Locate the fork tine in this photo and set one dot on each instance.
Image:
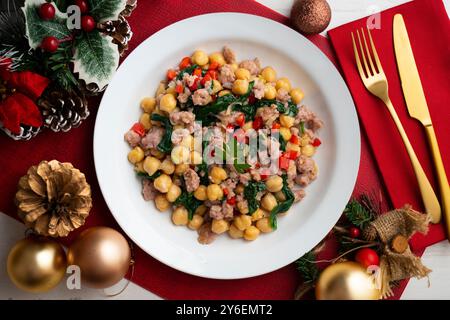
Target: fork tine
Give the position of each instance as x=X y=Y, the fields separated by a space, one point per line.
x=358 y=61
x=369 y=56
x=363 y=55
x=375 y=54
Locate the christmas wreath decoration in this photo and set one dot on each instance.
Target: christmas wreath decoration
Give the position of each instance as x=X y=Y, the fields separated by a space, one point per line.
x=53 y=56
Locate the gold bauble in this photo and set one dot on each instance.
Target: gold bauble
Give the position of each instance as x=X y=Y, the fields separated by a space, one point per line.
x=36 y=264
x=103 y=256
x=346 y=281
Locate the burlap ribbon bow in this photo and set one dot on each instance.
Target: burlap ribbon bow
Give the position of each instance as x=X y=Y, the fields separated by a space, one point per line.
x=394 y=229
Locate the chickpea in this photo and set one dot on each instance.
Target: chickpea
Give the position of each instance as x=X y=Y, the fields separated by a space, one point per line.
x=139 y=167
x=180 y=216
x=161 y=202
x=264 y=225
x=217 y=57
x=217 y=175
x=251 y=233
x=280 y=196
x=136 y=155
x=258 y=214
x=240 y=86
x=181 y=168
x=200 y=57
x=297 y=95
x=188 y=142
x=168 y=103
x=308 y=150
x=286 y=121
x=161 y=88
x=196 y=157
x=196 y=222
x=242 y=74
x=214 y=192
x=270 y=92
x=235 y=233
x=223 y=93
x=274 y=183
x=239 y=189
x=157 y=154
x=304 y=140
x=234 y=66
x=219 y=226
x=242 y=207
x=242 y=222
x=173 y=193
x=201 y=210
x=269 y=74
x=269 y=202
x=292 y=147
x=216 y=86
x=148 y=104
x=145 y=121
x=180 y=154
x=285 y=133
x=151 y=165
x=247 y=126
x=163 y=183
x=167 y=166
x=283 y=83
x=200 y=193
x=172 y=91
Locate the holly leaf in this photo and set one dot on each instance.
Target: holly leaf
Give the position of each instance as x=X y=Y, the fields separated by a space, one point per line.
x=102 y=10
x=37 y=29
x=96 y=58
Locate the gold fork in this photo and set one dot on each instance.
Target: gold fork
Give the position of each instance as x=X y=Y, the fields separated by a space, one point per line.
x=376 y=83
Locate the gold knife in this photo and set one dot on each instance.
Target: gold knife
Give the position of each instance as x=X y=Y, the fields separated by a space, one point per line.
x=418 y=108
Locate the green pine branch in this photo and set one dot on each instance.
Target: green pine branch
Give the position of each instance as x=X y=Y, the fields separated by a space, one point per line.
x=307 y=267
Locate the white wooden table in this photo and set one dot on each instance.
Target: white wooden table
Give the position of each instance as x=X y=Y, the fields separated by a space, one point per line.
x=436 y=257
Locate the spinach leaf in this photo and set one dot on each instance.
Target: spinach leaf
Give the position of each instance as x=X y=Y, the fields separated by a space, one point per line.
x=249 y=110
x=292 y=109
x=283 y=143
x=207 y=114
x=250 y=192
x=282 y=206
x=165 y=145
x=188 y=201
x=203 y=167
x=189 y=70
x=145 y=175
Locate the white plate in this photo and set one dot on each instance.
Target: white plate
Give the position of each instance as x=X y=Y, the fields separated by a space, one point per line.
x=292 y=56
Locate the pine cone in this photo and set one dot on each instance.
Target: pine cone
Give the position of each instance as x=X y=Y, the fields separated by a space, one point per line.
x=119 y=30
x=131 y=5
x=26 y=133
x=53 y=198
x=63 y=110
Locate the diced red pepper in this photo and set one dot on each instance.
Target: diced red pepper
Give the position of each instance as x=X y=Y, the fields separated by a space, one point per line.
x=291 y=154
x=257 y=123
x=240 y=120
x=225 y=191
x=213 y=74
x=213 y=65
x=232 y=201
x=257 y=165
x=264 y=176
x=194 y=85
x=284 y=162
x=251 y=98
x=179 y=88
x=276 y=125
x=197 y=72
x=171 y=74
x=230 y=126
x=294 y=139
x=185 y=62
x=205 y=79
x=139 y=129
x=316 y=142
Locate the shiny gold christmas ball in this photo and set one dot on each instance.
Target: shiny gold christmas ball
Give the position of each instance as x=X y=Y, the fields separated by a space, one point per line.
x=103 y=256
x=311 y=16
x=346 y=281
x=36 y=264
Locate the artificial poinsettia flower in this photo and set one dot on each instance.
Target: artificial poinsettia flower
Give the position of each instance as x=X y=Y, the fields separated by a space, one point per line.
x=19 y=91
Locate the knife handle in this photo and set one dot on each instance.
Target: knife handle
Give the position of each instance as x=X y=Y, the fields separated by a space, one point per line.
x=442 y=177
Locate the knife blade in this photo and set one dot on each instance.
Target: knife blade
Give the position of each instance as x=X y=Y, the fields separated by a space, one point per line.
x=409 y=75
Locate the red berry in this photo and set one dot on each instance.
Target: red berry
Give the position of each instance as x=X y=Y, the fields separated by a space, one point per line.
x=50 y=44
x=47 y=11
x=354 y=232
x=367 y=257
x=83 y=5
x=88 y=23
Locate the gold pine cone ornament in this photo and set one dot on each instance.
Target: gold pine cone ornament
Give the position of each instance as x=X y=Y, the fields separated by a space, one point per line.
x=53 y=198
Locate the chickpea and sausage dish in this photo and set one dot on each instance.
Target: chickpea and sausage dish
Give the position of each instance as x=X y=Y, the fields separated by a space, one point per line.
x=225 y=103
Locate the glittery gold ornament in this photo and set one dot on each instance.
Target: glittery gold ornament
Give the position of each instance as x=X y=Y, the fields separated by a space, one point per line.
x=53 y=198
x=311 y=16
x=346 y=281
x=103 y=256
x=36 y=264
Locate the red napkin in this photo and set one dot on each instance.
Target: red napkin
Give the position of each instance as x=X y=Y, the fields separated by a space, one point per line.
x=428 y=27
